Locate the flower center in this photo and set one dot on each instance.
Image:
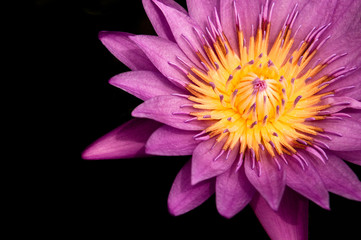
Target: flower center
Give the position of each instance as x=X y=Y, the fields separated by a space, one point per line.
x=260 y=98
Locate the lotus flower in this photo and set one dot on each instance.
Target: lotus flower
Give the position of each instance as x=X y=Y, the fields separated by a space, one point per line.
x=263 y=95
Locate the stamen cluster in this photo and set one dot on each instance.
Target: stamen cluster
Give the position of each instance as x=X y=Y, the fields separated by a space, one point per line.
x=259 y=97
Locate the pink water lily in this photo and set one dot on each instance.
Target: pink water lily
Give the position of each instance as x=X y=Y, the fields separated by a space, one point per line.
x=263 y=95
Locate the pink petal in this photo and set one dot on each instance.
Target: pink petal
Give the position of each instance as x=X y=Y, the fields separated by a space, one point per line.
x=289 y=222
x=125 y=50
x=182 y=26
x=168 y=141
x=351 y=80
x=306 y=182
x=226 y=12
x=200 y=10
x=344 y=31
x=334 y=100
x=166 y=109
x=311 y=14
x=345 y=38
x=144 y=84
x=266 y=178
x=348 y=128
x=351 y=156
x=248 y=12
x=233 y=191
x=205 y=163
x=185 y=196
x=126 y=141
x=163 y=53
x=157 y=18
x=354 y=113
x=339 y=178
x=342 y=14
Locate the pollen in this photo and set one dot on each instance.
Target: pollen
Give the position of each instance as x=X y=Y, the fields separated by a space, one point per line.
x=258 y=96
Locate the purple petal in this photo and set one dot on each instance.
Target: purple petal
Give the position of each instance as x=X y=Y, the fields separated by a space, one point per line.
x=267 y=178
x=351 y=156
x=125 y=50
x=205 y=163
x=351 y=82
x=289 y=222
x=345 y=38
x=344 y=31
x=349 y=129
x=163 y=53
x=144 y=84
x=233 y=191
x=157 y=18
x=184 y=196
x=311 y=14
x=342 y=15
x=182 y=26
x=166 y=109
x=339 y=178
x=248 y=12
x=306 y=182
x=200 y=10
x=228 y=21
x=354 y=113
x=334 y=100
x=126 y=141
x=168 y=141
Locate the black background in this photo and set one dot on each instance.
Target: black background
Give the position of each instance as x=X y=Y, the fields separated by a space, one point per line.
x=122 y=198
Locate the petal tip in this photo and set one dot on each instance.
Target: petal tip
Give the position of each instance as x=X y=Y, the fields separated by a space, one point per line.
x=173 y=211
x=138 y=113
x=226 y=214
x=196 y=178
x=102 y=34
x=114 y=81
x=175 y=208
x=324 y=203
x=92 y=153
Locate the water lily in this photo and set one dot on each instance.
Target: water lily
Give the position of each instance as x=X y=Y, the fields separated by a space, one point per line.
x=263 y=95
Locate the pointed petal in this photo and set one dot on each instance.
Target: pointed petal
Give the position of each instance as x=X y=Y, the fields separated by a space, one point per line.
x=144 y=84
x=162 y=52
x=339 y=178
x=126 y=141
x=164 y=108
x=182 y=26
x=348 y=128
x=168 y=141
x=204 y=165
x=306 y=182
x=233 y=191
x=125 y=50
x=267 y=179
x=351 y=156
x=184 y=196
x=289 y=222
x=157 y=18
x=199 y=10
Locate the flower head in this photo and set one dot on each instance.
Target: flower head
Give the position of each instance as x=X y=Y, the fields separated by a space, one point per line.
x=263 y=95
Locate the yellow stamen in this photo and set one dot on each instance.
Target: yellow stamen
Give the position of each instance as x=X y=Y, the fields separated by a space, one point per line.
x=256 y=97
